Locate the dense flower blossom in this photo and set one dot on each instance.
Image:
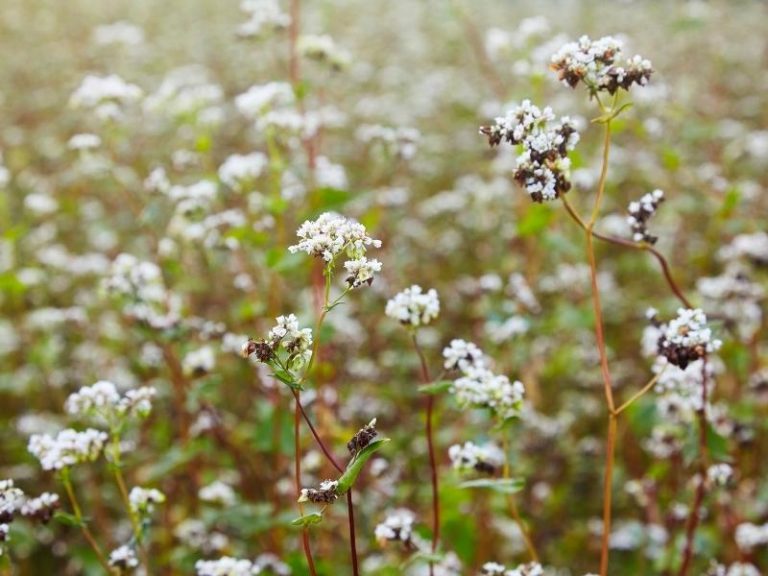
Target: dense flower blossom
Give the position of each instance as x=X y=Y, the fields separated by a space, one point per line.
x=486 y=458
x=481 y=388
x=361 y=271
x=414 y=307
x=103 y=400
x=331 y=235
x=67 y=448
x=596 y=63
x=239 y=170
x=397 y=527
x=143 y=500
x=226 y=566
x=686 y=338
x=41 y=508
x=543 y=167
x=218 y=492
x=462 y=355
x=123 y=558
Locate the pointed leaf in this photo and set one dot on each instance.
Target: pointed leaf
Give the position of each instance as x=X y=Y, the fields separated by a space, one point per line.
x=436 y=387
x=355 y=465
x=308 y=519
x=502 y=485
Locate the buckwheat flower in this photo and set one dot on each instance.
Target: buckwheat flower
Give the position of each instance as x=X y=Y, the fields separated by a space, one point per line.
x=323 y=49
x=596 y=64
x=100 y=396
x=226 y=566
x=750 y=536
x=124 y=559
x=362 y=438
x=259 y=99
x=272 y=564
x=41 y=508
x=68 y=448
x=11 y=500
x=486 y=459
x=493 y=569
x=543 y=167
x=4 y=528
x=397 y=527
x=413 y=307
x=742 y=569
x=84 y=142
x=262 y=15
x=462 y=355
x=719 y=474
x=640 y=213
x=218 y=493
x=361 y=271
x=120 y=32
x=99 y=91
x=752 y=247
x=137 y=402
x=481 y=388
x=143 y=500
x=242 y=169
x=687 y=338
x=530 y=569
x=199 y=362
x=325 y=493
x=331 y=235
x=288 y=334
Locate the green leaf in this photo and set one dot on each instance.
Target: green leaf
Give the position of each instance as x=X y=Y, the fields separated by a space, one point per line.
x=501 y=485
x=67 y=519
x=436 y=387
x=536 y=219
x=425 y=557
x=287 y=378
x=355 y=465
x=308 y=519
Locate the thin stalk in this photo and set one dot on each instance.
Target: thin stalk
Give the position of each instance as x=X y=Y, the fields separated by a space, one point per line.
x=297 y=472
x=122 y=488
x=83 y=526
x=695 y=515
x=513 y=506
x=642 y=391
x=607 y=492
x=431 y=447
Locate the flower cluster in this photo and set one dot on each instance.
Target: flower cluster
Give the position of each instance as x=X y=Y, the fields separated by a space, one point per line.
x=67 y=448
x=641 y=212
x=123 y=559
x=361 y=271
x=543 y=168
x=218 y=492
x=596 y=64
x=462 y=355
x=103 y=400
x=262 y=14
x=413 y=307
x=105 y=95
x=686 y=338
x=226 y=566
x=362 y=438
x=241 y=170
x=327 y=492
x=41 y=508
x=331 y=235
x=750 y=536
x=496 y=569
x=397 y=527
x=481 y=388
x=143 y=500
x=11 y=499
x=323 y=49
x=486 y=459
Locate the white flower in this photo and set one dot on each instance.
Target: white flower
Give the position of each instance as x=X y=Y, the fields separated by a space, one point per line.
x=200 y=361
x=226 y=566
x=84 y=142
x=640 y=213
x=719 y=474
x=361 y=271
x=413 y=307
x=470 y=457
x=11 y=498
x=98 y=90
x=462 y=355
x=687 y=337
x=262 y=14
x=102 y=400
x=397 y=526
x=331 y=235
x=123 y=557
x=41 y=507
x=143 y=500
x=481 y=388
x=240 y=169
x=750 y=536
x=218 y=493
x=288 y=334
x=68 y=448
x=258 y=99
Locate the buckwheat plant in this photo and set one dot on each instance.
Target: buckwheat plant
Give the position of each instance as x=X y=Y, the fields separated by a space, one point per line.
x=290 y=352
x=542 y=168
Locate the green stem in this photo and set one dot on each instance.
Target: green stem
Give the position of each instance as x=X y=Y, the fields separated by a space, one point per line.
x=513 y=505
x=81 y=522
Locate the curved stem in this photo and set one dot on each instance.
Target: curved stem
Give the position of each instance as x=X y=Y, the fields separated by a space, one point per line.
x=431 y=448
x=83 y=526
x=695 y=515
x=319 y=441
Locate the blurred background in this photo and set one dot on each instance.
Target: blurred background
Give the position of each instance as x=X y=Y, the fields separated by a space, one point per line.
x=379 y=122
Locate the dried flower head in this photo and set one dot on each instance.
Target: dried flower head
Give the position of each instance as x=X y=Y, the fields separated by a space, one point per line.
x=41 y=508
x=686 y=338
x=325 y=493
x=362 y=438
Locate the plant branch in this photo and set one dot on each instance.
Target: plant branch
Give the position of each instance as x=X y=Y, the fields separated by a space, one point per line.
x=81 y=521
